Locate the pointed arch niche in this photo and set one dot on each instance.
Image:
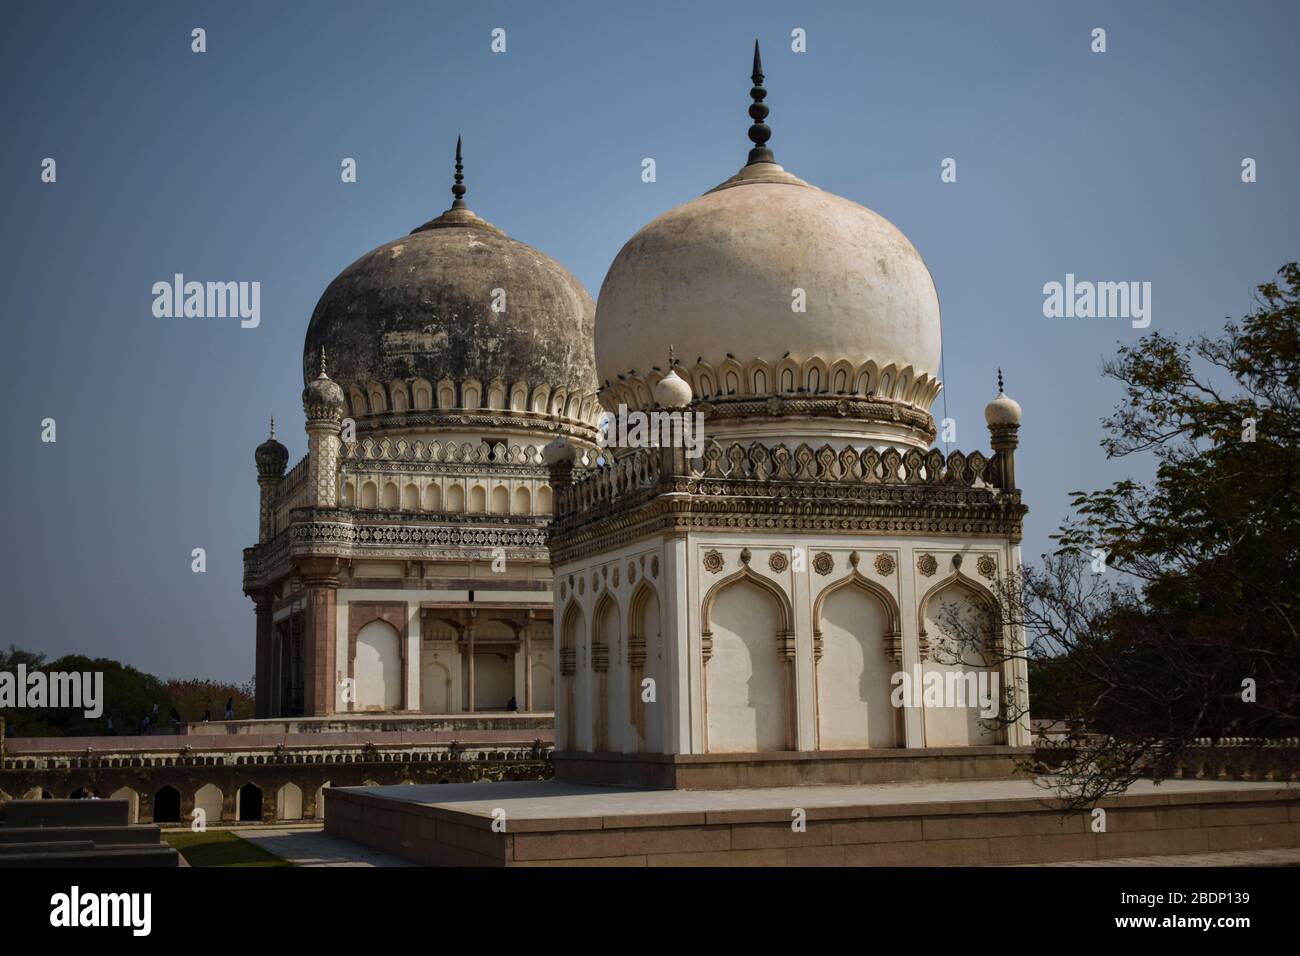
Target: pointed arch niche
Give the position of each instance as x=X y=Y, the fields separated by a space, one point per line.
x=747 y=646
x=959 y=726
x=857 y=648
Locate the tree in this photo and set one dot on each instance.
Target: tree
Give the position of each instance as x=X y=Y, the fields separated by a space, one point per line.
x=1190 y=632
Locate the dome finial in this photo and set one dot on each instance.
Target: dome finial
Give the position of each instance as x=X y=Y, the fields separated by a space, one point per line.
x=759 y=132
x=458 y=190
x=672 y=357
x=322 y=363
x=272 y=426
x=999 y=381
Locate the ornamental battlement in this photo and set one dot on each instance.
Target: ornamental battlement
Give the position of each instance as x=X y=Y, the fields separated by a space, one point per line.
x=775 y=487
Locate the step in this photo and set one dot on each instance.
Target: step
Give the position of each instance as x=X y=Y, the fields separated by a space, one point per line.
x=69 y=846
x=67 y=813
x=133 y=835
x=112 y=856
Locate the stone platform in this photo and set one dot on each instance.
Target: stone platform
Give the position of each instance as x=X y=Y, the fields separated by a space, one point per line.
x=790 y=768
x=954 y=822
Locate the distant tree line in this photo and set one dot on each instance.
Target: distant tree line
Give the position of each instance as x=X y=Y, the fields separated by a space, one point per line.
x=129 y=697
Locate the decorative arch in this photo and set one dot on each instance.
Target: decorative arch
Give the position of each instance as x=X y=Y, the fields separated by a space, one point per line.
x=783 y=644
x=606 y=624
x=856 y=579
x=572 y=625
x=965 y=581
x=643 y=660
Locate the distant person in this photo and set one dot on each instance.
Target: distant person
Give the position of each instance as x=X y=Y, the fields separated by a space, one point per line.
x=144 y=725
x=230 y=708
x=175 y=716
x=155 y=712
x=512 y=705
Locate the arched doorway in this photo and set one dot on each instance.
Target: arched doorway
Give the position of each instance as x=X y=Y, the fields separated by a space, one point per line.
x=167 y=805
x=958 y=673
x=248 y=802
x=377 y=668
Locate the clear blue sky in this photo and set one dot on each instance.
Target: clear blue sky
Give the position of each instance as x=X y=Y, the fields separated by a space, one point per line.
x=225 y=166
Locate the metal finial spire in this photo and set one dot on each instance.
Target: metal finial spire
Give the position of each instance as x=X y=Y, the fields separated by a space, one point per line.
x=672 y=358
x=999 y=381
x=272 y=426
x=759 y=132
x=322 y=363
x=458 y=190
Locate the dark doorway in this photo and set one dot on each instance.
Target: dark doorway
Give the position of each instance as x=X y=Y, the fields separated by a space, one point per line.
x=167 y=805
x=250 y=803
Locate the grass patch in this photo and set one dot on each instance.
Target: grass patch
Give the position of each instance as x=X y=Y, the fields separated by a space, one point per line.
x=220 y=848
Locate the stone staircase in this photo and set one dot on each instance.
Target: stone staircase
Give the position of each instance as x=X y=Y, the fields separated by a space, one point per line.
x=78 y=833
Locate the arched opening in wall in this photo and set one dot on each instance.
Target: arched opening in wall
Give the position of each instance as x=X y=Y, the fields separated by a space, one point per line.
x=288 y=802
x=645 y=662
x=423 y=396
x=320 y=800
x=399 y=398
x=435 y=688
x=248 y=802
x=604 y=647
x=455 y=498
x=733 y=383
x=377 y=668
x=500 y=500
x=209 y=799
x=961 y=683
x=446 y=396
x=432 y=497
x=545 y=503
x=571 y=630
x=854 y=687
x=411 y=498
x=523 y=501
x=377 y=402
x=132 y=801
x=350 y=493
x=477 y=500
x=167 y=805
x=369 y=495
x=469 y=396
x=787 y=380
x=746 y=695
x=494 y=666
x=389 y=500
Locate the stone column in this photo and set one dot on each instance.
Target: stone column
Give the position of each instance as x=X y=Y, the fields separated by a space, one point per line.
x=528 y=663
x=469 y=644
x=263 y=667
x=320 y=690
x=413 y=672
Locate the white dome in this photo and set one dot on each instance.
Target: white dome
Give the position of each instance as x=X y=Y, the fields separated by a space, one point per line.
x=673 y=391
x=1003 y=410
x=716 y=279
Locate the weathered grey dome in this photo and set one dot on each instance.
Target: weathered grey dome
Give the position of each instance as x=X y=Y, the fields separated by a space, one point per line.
x=455 y=301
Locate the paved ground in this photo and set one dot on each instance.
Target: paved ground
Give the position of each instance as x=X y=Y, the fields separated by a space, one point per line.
x=553 y=799
x=312 y=846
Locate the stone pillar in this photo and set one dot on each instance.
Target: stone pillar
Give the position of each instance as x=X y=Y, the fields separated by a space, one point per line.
x=528 y=663
x=413 y=672
x=320 y=681
x=263 y=664
x=469 y=644
x=322 y=403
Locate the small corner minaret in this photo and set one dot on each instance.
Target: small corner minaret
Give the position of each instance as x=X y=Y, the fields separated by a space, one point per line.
x=322 y=402
x=759 y=132
x=271 y=458
x=1003 y=418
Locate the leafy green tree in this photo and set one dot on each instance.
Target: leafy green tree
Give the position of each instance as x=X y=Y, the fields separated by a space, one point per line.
x=1190 y=632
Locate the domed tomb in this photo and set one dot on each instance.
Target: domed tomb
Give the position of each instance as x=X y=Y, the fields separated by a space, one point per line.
x=797 y=313
x=454 y=322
